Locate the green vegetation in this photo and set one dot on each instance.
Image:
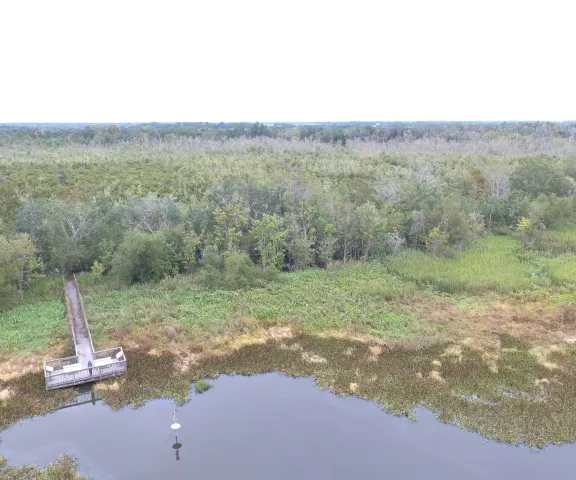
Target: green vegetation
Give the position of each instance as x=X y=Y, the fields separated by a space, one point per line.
x=17 y=263
x=143 y=258
x=563 y=269
x=358 y=297
x=32 y=327
x=63 y=469
x=491 y=264
x=567 y=234
x=202 y=386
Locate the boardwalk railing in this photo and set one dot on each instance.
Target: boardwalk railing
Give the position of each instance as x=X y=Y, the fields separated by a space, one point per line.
x=70 y=315
x=113 y=353
x=84 y=318
x=66 y=372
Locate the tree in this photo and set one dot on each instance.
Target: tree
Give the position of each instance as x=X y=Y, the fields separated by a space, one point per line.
x=497 y=176
x=9 y=204
x=417 y=230
x=371 y=229
x=18 y=263
x=550 y=210
x=230 y=221
x=326 y=246
x=258 y=130
x=300 y=245
x=64 y=232
x=144 y=257
x=270 y=236
x=150 y=214
x=539 y=175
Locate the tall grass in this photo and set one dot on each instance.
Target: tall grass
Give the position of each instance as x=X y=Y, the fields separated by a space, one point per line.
x=491 y=264
x=567 y=235
x=563 y=269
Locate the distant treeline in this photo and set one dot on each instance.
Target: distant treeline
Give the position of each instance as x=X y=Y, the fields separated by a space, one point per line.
x=337 y=133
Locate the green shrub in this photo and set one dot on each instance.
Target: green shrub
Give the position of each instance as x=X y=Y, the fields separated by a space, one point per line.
x=144 y=257
x=233 y=271
x=539 y=175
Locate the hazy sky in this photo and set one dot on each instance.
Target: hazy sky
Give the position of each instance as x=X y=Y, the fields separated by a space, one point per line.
x=273 y=60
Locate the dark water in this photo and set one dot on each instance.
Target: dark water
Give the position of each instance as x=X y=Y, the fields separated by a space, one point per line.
x=272 y=427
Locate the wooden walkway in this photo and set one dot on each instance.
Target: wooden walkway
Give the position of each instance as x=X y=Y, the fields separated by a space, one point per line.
x=71 y=371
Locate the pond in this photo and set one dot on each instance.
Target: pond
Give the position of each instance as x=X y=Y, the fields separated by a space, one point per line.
x=272 y=427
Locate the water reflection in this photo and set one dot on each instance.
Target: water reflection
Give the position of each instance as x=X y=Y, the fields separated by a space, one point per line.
x=271 y=427
x=85 y=395
x=177 y=446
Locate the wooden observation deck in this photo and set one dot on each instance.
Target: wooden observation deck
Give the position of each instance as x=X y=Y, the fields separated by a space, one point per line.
x=71 y=371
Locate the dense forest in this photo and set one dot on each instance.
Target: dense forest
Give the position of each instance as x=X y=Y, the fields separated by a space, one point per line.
x=239 y=202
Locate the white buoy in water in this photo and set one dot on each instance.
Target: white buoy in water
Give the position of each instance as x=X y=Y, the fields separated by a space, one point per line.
x=175 y=425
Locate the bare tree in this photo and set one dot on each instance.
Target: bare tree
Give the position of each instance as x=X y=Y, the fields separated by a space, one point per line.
x=497 y=175
x=150 y=214
x=425 y=169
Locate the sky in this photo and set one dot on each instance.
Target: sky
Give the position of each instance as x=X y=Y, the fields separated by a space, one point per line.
x=286 y=61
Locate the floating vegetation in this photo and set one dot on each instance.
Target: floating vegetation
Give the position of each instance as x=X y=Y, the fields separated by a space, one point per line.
x=63 y=469
x=202 y=386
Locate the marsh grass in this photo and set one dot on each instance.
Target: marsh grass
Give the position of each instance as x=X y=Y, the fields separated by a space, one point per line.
x=491 y=264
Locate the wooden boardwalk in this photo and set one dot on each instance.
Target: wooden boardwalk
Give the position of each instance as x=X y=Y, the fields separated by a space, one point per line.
x=71 y=371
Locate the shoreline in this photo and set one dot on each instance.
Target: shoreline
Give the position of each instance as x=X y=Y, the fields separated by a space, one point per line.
x=458 y=384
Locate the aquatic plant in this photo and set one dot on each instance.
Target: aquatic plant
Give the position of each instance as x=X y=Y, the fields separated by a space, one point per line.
x=65 y=468
x=202 y=386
